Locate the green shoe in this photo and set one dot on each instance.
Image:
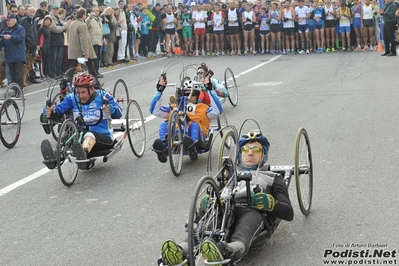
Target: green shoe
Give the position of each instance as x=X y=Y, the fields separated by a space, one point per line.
x=208 y=53
x=328 y=50
x=332 y=49
x=211 y=252
x=171 y=254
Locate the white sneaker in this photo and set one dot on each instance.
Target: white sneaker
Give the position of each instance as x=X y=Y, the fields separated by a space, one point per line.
x=223 y=53
x=203 y=52
x=217 y=54
x=302 y=52
x=239 y=52
x=196 y=53
x=307 y=51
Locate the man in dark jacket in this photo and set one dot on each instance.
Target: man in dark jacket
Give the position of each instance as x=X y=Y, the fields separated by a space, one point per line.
x=389 y=18
x=156 y=28
x=13 y=41
x=30 y=25
x=41 y=12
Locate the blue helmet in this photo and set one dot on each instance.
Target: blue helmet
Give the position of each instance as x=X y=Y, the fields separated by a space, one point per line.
x=258 y=137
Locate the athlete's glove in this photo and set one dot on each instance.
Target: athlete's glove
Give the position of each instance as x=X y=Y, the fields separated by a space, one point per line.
x=160 y=87
x=204 y=203
x=263 y=201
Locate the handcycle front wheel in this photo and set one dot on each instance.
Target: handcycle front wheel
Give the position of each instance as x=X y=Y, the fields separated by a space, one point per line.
x=15 y=92
x=175 y=143
x=10 y=123
x=67 y=168
x=303 y=170
x=205 y=216
x=121 y=94
x=231 y=85
x=136 y=128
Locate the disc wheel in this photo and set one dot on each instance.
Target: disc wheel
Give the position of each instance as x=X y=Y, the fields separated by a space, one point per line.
x=10 y=123
x=55 y=126
x=67 y=168
x=231 y=86
x=303 y=170
x=15 y=92
x=204 y=219
x=175 y=143
x=121 y=94
x=136 y=128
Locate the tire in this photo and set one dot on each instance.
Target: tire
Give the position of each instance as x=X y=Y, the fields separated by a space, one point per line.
x=211 y=217
x=227 y=148
x=121 y=94
x=67 y=168
x=136 y=128
x=15 y=92
x=54 y=125
x=54 y=87
x=303 y=170
x=231 y=86
x=175 y=143
x=10 y=123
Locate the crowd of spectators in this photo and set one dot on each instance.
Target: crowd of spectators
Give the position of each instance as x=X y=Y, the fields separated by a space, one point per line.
x=132 y=32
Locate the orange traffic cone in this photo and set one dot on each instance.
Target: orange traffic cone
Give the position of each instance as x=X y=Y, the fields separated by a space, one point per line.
x=379 y=48
x=177 y=50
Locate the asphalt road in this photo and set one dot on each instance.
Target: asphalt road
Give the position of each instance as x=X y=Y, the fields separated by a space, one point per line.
x=120 y=212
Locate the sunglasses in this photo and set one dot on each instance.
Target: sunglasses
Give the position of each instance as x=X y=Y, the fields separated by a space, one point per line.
x=13 y=11
x=255 y=149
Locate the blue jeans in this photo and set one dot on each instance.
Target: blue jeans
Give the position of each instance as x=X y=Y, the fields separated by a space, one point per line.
x=194 y=131
x=132 y=40
x=8 y=75
x=55 y=61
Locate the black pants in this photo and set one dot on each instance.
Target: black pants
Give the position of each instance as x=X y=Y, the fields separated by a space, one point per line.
x=389 y=37
x=44 y=64
x=96 y=62
x=143 y=45
x=153 y=40
x=73 y=63
x=55 y=61
x=17 y=73
x=248 y=223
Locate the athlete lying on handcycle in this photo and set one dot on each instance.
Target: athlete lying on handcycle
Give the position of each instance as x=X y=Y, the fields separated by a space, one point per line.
x=88 y=106
x=198 y=113
x=205 y=74
x=271 y=198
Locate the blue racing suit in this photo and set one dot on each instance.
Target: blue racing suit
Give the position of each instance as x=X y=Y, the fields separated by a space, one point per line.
x=91 y=111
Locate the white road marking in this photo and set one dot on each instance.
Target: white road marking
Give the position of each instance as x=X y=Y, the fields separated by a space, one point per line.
x=44 y=171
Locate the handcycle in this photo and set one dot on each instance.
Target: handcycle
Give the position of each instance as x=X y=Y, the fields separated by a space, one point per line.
x=10 y=123
x=178 y=121
x=15 y=92
x=216 y=221
x=131 y=127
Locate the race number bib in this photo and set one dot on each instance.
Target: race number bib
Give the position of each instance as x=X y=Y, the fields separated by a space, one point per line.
x=191 y=108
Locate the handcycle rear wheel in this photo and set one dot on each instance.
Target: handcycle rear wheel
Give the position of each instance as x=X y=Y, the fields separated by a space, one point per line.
x=15 y=92
x=136 y=128
x=227 y=147
x=231 y=85
x=175 y=143
x=121 y=94
x=303 y=170
x=204 y=219
x=10 y=123
x=67 y=168
x=56 y=125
